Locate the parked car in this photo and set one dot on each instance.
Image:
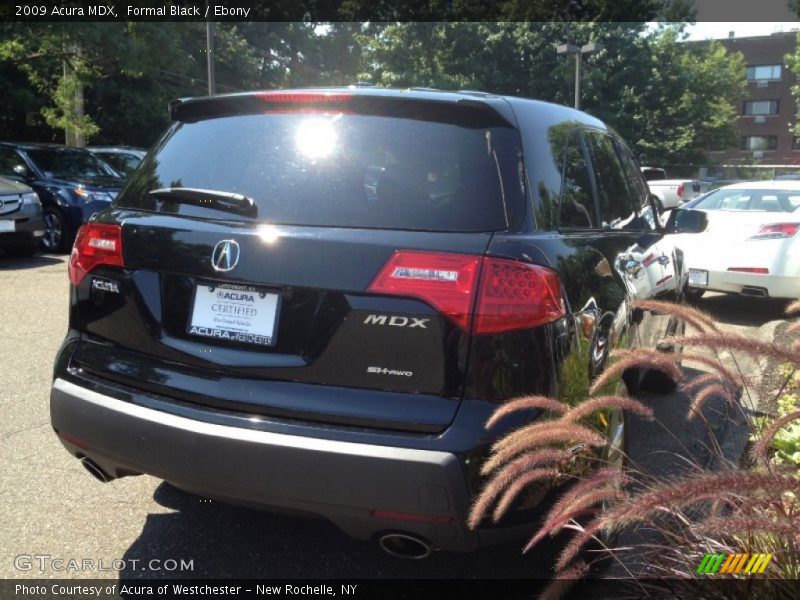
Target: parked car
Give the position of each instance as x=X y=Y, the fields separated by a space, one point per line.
x=749 y=246
x=788 y=176
x=671 y=193
x=123 y=158
x=324 y=322
x=653 y=173
x=21 y=223
x=72 y=185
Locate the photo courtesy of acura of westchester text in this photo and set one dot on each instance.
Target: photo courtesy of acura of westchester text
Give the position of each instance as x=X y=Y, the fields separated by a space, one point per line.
x=387 y=302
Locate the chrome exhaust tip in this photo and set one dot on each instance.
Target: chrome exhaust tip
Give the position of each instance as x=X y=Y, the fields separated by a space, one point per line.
x=757 y=292
x=95 y=470
x=405 y=545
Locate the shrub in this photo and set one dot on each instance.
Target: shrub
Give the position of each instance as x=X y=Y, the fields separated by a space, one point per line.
x=752 y=508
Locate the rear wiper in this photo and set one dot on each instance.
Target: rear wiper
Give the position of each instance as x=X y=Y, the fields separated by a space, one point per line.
x=210 y=198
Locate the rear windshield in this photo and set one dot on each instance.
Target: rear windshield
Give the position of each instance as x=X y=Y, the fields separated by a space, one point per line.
x=125 y=163
x=766 y=200
x=343 y=170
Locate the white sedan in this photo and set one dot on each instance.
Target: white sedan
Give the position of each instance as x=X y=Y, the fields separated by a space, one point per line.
x=749 y=246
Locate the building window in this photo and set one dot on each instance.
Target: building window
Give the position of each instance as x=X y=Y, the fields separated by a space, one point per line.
x=759 y=142
x=760 y=107
x=796 y=143
x=763 y=73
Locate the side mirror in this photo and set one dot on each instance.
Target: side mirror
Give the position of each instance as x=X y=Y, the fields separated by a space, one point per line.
x=685 y=220
x=22 y=171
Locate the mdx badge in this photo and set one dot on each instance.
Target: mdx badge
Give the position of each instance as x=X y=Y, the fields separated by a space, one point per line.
x=396 y=321
x=225 y=256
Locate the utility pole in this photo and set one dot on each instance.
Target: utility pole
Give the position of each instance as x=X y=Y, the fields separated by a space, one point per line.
x=74 y=135
x=578 y=80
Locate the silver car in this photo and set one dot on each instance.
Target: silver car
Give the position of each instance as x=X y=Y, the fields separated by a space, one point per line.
x=21 y=222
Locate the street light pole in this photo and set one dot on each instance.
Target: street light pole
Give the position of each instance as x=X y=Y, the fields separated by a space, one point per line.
x=578 y=51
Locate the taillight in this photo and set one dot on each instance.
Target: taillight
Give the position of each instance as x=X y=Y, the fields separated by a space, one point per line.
x=753 y=270
x=445 y=281
x=340 y=102
x=776 y=231
x=515 y=295
x=410 y=517
x=680 y=190
x=95 y=245
x=510 y=295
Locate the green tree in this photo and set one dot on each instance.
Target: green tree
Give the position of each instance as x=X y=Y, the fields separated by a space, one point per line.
x=672 y=101
x=52 y=59
x=516 y=10
x=112 y=81
x=691 y=103
x=793 y=64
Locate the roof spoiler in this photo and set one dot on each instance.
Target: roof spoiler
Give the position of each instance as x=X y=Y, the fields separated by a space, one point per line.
x=469 y=112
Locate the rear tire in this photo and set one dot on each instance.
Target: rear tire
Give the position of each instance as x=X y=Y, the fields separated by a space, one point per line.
x=693 y=294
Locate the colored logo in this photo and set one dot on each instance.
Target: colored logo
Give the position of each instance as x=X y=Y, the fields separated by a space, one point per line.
x=734 y=564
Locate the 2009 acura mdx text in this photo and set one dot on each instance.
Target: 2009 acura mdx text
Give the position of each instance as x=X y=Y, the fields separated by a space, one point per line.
x=314 y=299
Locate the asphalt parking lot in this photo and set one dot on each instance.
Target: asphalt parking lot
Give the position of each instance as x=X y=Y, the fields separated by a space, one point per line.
x=51 y=506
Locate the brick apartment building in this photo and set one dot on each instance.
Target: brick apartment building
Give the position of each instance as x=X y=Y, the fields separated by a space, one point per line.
x=767 y=113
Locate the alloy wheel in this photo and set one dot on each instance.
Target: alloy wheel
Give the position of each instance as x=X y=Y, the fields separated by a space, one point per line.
x=53 y=231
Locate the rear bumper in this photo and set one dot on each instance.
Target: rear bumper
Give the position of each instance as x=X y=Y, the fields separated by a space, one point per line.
x=775 y=286
x=26 y=232
x=339 y=480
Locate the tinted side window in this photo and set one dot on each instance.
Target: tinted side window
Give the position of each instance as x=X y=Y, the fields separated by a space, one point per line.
x=638 y=189
x=577 y=197
x=615 y=203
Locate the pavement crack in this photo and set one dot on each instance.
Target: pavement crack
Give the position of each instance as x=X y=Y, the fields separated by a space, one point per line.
x=11 y=434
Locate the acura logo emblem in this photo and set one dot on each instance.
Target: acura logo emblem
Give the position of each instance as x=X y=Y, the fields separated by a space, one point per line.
x=225 y=255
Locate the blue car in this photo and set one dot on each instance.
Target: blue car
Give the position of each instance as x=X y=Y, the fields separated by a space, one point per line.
x=72 y=184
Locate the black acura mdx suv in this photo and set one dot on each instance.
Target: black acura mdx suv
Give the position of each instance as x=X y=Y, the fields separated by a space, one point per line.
x=314 y=299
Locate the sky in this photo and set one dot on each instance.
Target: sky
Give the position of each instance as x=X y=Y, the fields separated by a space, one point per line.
x=718 y=30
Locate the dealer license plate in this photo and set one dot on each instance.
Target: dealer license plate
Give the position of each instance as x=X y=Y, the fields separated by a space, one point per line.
x=698 y=278
x=235 y=313
x=6 y=225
